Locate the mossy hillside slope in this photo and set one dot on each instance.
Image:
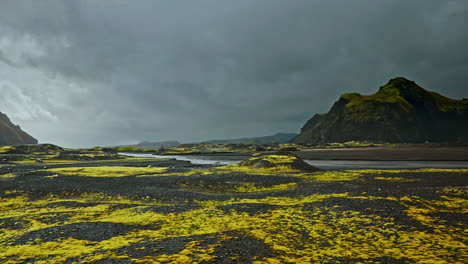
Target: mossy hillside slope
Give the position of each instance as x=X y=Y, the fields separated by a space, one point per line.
x=401 y=111
x=11 y=134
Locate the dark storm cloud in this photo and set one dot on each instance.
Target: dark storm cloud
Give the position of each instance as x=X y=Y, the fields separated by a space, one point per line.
x=109 y=72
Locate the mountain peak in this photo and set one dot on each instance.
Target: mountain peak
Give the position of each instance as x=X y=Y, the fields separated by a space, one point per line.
x=401 y=86
x=400 y=81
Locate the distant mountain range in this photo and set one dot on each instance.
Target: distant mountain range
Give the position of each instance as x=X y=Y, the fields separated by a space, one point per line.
x=400 y=112
x=277 y=138
x=11 y=134
x=153 y=145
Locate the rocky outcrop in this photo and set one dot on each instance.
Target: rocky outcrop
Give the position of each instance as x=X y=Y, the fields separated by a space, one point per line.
x=278 y=159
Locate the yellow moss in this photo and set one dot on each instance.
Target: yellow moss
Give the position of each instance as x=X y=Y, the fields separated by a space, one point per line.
x=395 y=179
x=252 y=188
x=237 y=187
x=457 y=191
x=351 y=175
x=337 y=176
x=46 y=161
x=52 y=159
x=7 y=176
x=5 y=149
x=280 y=162
x=65 y=249
x=283 y=229
x=276 y=170
x=413 y=171
x=278 y=158
x=108 y=171
x=236 y=168
x=297 y=229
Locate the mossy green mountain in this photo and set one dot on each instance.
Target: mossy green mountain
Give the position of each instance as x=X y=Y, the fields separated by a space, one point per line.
x=11 y=134
x=400 y=112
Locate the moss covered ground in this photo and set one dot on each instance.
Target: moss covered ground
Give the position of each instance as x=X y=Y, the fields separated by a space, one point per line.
x=265 y=210
x=208 y=148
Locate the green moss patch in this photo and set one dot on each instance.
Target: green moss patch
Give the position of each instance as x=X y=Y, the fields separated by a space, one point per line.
x=108 y=171
x=91 y=231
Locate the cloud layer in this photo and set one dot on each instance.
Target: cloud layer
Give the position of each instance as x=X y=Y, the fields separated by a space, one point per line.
x=84 y=73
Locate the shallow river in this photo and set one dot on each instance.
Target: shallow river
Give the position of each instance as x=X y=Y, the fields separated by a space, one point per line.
x=324 y=164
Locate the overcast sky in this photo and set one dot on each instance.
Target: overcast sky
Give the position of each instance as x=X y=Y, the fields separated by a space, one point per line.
x=85 y=73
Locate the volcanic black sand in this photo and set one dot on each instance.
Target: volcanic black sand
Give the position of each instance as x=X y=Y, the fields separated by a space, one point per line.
x=269 y=210
x=419 y=153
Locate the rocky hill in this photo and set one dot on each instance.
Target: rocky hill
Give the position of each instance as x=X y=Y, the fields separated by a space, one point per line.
x=401 y=111
x=11 y=134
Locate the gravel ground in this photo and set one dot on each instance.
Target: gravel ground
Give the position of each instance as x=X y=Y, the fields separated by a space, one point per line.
x=164 y=217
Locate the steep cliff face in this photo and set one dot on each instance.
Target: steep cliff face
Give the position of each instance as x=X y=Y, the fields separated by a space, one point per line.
x=11 y=134
x=401 y=111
